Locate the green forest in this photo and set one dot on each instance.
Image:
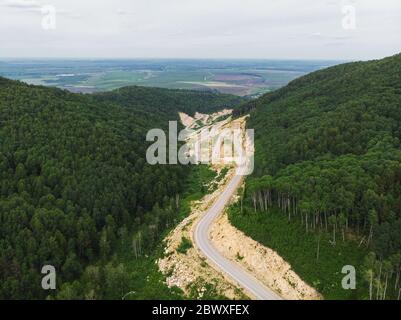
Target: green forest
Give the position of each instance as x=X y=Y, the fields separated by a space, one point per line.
x=75 y=187
x=76 y=191
x=327 y=177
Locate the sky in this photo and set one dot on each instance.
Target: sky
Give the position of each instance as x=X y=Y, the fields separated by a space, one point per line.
x=235 y=29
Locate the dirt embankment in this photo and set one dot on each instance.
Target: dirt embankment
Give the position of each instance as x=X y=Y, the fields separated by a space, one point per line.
x=264 y=263
x=190 y=271
x=201 y=120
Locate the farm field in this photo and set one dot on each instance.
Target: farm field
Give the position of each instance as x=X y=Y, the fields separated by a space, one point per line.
x=239 y=77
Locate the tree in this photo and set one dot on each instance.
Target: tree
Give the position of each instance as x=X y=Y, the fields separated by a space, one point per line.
x=333 y=223
x=373 y=221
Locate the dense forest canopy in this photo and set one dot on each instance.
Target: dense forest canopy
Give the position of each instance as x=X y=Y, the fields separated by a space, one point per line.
x=74 y=181
x=74 y=177
x=328 y=153
x=145 y=99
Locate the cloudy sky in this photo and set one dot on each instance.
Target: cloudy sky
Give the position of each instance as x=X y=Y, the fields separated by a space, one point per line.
x=282 y=29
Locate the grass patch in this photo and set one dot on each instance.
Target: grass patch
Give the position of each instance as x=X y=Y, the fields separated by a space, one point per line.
x=215 y=184
x=184 y=246
x=239 y=257
x=197 y=187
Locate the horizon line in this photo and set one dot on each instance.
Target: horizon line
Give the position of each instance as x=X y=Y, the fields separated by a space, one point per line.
x=180 y=58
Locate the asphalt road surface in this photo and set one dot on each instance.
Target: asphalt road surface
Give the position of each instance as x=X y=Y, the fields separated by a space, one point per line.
x=230 y=268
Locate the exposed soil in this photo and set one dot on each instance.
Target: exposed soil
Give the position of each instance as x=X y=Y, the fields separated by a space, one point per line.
x=264 y=263
x=189 y=271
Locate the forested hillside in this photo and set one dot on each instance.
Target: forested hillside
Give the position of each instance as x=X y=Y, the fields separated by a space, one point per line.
x=74 y=181
x=173 y=101
x=328 y=158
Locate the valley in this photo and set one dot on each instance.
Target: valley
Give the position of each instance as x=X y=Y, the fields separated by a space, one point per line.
x=214 y=245
x=200 y=158
x=77 y=193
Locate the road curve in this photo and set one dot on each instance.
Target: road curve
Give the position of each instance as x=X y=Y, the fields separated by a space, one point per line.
x=230 y=268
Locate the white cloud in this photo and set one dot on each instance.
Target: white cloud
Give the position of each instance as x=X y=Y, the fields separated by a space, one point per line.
x=205 y=29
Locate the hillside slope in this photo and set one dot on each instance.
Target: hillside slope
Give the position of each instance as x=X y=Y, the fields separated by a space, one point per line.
x=328 y=157
x=74 y=179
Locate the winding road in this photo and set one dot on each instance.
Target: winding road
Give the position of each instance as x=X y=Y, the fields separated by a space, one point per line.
x=230 y=268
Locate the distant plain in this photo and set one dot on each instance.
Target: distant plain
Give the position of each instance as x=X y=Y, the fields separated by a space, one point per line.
x=239 y=77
